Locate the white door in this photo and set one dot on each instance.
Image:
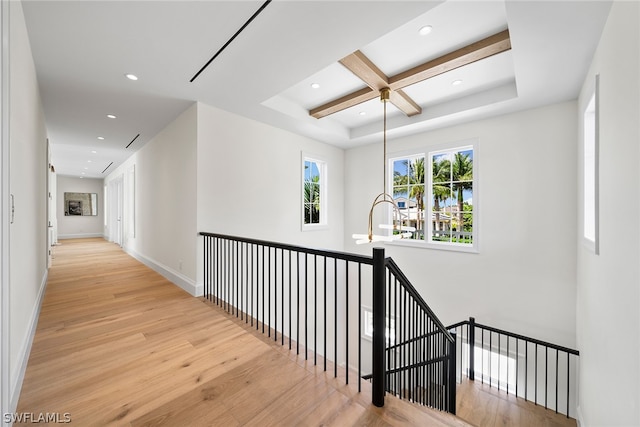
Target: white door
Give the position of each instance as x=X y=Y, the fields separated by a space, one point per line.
x=116 y=204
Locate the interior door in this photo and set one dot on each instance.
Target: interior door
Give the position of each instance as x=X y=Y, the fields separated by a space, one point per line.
x=116 y=208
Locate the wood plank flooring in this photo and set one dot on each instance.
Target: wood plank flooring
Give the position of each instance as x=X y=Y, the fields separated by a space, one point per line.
x=486 y=406
x=117 y=344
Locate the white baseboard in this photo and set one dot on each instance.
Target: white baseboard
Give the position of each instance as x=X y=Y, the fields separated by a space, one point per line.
x=579 y=418
x=79 y=236
x=170 y=274
x=25 y=348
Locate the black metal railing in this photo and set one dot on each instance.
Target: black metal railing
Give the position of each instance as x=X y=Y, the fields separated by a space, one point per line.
x=420 y=351
x=298 y=296
x=312 y=299
x=538 y=371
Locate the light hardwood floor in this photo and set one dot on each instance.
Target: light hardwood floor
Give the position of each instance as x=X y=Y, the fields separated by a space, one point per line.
x=117 y=344
x=486 y=406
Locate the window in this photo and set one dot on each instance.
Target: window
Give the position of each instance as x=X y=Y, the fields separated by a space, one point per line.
x=367 y=325
x=314 y=210
x=436 y=194
x=590 y=173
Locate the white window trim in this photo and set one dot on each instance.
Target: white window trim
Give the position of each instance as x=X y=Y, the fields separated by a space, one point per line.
x=427 y=152
x=324 y=223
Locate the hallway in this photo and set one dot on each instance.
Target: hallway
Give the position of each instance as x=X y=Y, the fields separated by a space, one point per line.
x=117 y=344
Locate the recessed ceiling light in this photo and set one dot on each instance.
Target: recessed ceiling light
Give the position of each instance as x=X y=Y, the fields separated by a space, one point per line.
x=81 y=177
x=83 y=173
x=88 y=161
x=131 y=77
x=86 y=169
x=456 y=82
x=93 y=151
x=101 y=138
x=425 y=30
x=315 y=85
x=111 y=116
x=362 y=113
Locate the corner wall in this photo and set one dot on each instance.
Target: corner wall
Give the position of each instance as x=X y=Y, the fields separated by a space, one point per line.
x=608 y=294
x=165 y=201
x=250 y=181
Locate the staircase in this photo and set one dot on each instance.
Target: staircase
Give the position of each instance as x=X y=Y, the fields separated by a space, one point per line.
x=314 y=302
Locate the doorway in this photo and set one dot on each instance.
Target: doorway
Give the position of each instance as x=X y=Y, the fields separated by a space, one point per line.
x=116 y=210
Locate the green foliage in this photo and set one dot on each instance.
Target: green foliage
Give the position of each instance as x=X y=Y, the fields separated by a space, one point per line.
x=312 y=200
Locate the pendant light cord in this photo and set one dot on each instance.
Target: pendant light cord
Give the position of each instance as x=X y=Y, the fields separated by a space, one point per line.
x=384 y=139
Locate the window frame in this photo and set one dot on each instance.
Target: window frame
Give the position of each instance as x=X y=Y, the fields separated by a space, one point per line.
x=323 y=181
x=590 y=171
x=428 y=152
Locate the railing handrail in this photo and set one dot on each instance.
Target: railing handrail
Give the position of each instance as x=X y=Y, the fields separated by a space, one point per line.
x=391 y=265
x=346 y=256
x=406 y=368
x=518 y=336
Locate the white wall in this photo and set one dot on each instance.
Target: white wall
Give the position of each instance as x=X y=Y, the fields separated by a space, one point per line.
x=165 y=197
x=250 y=183
x=608 y=293
x=28 y=178
x=523 y=278
x=79 y=226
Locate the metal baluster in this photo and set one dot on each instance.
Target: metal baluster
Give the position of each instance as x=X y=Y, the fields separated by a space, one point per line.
x=282 y=293
x=536 y=378
x=359 y=326
x=556 y=381
x=346 y=329
x=568 y=383
x=324 y=269
x=275 y=294
x=335 y=317
x=526 y=369
x=298 y=303
x=268 y=291
x=290 y=297
x=263 y=294
x=315 y=309
x=306 y=305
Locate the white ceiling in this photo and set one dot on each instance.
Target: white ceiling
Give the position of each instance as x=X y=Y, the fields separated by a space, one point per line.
x=83 y=49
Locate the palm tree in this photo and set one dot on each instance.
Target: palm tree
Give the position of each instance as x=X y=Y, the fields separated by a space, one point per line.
x=416 y=180
x=412 y=184
x=462 y=173
x=312 y=200
x=441 y=173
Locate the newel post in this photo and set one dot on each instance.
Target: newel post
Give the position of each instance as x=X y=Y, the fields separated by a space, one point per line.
x=472 y=348
x=451 y=374
x=379 y=326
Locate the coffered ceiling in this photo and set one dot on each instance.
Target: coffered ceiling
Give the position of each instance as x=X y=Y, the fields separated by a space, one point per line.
x=84 y=49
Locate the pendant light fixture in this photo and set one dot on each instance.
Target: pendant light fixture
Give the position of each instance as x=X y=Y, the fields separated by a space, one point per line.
x=397 y=230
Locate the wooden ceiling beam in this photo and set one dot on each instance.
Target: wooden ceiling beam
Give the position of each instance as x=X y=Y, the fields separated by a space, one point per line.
x=404 y=103
x=343 y=103
x=369 y=73
x=366 y=70
x=474 y=52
